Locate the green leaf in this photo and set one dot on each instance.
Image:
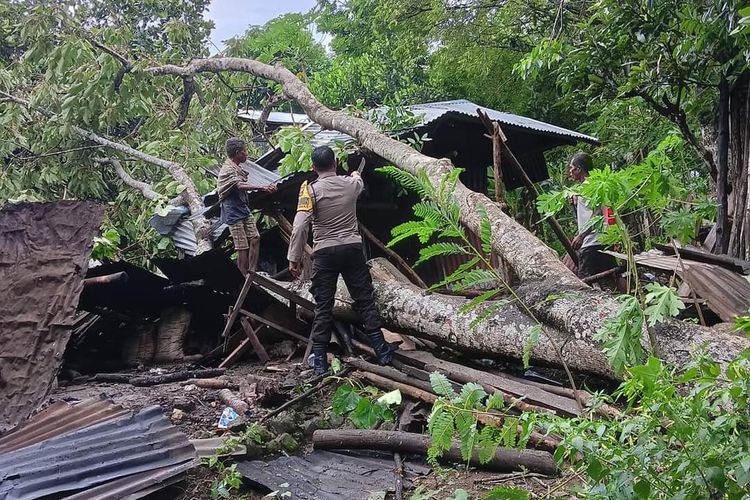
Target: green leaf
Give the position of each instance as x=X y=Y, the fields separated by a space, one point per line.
x=441 y=385
x=366 y=415
x=507 y=493
x=440 y=249
x=466 y=426
x=495 y=402
x=485 y=230
x=662 y=302
x=531 y=342
x=478 y=300
x=441 y=428
x=471 y=395
x=642 y=488
x=345 y=399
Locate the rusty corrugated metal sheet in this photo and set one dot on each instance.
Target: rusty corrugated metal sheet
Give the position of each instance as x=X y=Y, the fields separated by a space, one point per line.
x=110 y=456
x=57 y=419
x=726 y=293
x=44 y=253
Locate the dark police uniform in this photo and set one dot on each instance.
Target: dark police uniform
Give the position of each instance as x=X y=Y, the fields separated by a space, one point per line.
x=330 y=203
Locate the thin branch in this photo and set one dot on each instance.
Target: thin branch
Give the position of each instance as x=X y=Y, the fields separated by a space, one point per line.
x=56 y=153
x=144 y=187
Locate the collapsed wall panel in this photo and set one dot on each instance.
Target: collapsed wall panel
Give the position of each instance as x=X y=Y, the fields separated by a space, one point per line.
x=44 y=253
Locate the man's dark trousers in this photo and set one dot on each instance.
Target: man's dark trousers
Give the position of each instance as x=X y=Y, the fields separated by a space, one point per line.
x=349 y=261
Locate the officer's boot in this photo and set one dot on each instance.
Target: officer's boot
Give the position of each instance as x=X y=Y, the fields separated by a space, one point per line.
x=320 y=360
x=383 y=350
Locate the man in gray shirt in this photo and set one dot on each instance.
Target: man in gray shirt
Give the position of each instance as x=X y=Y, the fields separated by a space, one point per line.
x=590 y=260
x=330 y=203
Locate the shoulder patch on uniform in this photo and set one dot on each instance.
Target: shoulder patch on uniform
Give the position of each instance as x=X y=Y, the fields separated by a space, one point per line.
x=305 y=202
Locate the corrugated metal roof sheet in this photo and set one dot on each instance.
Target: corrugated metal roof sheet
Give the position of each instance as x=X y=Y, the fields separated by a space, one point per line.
x=57 y=419
x=430 y=112
x=726 y=293
x=142 y=447
x=280 y=117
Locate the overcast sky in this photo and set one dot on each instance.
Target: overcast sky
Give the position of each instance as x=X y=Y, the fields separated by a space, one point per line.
x=232 y=17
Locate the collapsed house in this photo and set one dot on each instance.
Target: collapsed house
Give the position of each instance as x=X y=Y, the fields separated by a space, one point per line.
x=200 y=312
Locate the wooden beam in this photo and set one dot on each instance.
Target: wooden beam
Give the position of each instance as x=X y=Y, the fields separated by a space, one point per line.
x=253 y=338
x=394 y=257
x=280 y=290
x=554 y=224
x=236 y=310
x=275 y=325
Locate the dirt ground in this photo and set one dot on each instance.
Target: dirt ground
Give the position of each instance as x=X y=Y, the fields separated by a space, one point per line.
x=201 y=410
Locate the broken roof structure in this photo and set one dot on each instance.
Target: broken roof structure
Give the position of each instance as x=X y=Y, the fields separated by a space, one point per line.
x=456 y=132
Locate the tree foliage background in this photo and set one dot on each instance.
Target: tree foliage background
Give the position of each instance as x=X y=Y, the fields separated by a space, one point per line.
x=630 y=72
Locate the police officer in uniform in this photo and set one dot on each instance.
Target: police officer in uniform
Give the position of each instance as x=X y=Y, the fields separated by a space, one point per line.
x=330 y=202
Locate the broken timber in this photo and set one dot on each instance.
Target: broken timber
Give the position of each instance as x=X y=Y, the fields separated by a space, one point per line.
x=504 y=459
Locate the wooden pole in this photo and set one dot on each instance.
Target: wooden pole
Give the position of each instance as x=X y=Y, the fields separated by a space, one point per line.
x=121 y=277
x=394 y=257
x=504 y=459
x=554 y=224
x=497 y=138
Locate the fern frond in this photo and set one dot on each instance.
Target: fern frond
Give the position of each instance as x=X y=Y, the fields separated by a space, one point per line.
x=441 y=385
x=421 y=229
x=476 y=301
x=485 y=230
x=487 y=312
x=466 y=426
x=476 y=278
x=495 y=402
x=438 y=249
x=488 y=441
x=441 y=428
x=531 y=342
x=471 y=395
x=404 y=179
x=457 y=274
x=509 y=431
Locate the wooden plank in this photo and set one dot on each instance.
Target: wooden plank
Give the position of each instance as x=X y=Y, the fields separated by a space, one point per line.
x=237 y=308
x=280 y=290
x=236 y=354
x=257 y=346
x=463 y=374
x=275 y=325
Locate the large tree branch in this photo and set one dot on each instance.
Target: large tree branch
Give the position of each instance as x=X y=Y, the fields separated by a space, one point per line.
x=578 y=312
x=144 y=187
x=528 y=256
x=177 y=171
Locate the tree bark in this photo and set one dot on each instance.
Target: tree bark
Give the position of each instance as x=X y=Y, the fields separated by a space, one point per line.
x=503 y=334
x=504 y=459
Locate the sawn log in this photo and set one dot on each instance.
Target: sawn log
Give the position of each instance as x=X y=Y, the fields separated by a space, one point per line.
x=504 y=460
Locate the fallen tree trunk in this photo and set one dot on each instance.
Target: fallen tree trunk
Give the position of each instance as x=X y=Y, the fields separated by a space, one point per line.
x=406 y=308
x=504 y=459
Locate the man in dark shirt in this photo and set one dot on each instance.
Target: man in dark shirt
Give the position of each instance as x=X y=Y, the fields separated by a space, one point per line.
x=235 y=212
x=330 y=203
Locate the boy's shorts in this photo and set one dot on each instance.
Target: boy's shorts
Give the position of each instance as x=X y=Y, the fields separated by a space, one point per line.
x=242 y=232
